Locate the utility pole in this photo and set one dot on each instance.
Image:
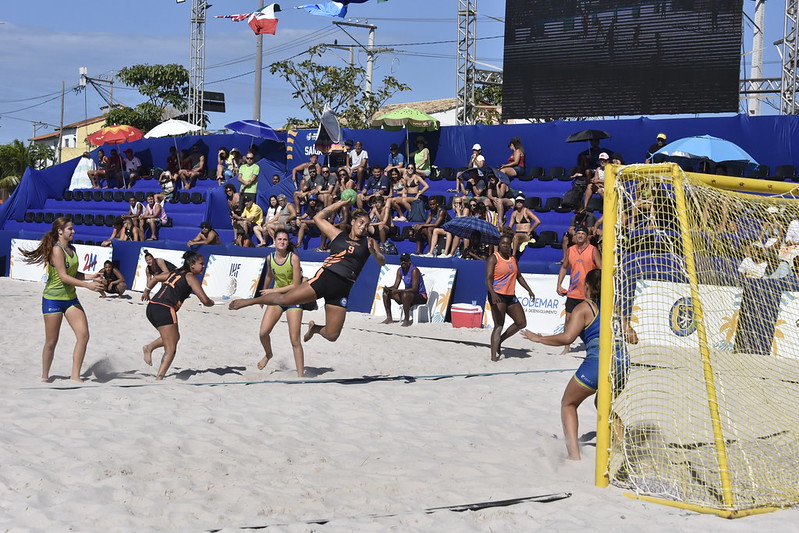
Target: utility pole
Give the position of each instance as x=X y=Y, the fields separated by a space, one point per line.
x=61 y=124
x=197 y=61
x=370 y=51
x=259 y=70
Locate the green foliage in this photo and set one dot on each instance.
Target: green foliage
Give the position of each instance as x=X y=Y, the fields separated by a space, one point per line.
x=16 y=157
x=316 y=85
x=488 y=95
x=163 y=85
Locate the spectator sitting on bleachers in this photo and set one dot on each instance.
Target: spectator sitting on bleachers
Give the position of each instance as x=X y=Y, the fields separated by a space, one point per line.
x=596 y=185
x=328 y=190
x=114 y=280
x=222 y=157
x=100 y=173
x=379 y=218
x=395 y=179
x=590 y=158
x=343 y=180
x=135 y=211
x=207 y=235
x=476 y=249
x=395 y=158
x=132 y=165
x=413 y=187
x=421 y=157
x=123 y=230
x=114 y=171
x=524 y=222
x=252 y=215
x=473 y=185
x=185 y=161
x=476 y=162
x=233 y=164
x=359 y=164
x=233 y=203
x=660 y=142
x=436 y=217
x=167 y=182
x=173 y=162
x=198 y=168
x=305 y=221
x=286 y=220
x=270 y=215
x=582 y=219
x=303 y=168
x=515 y=167
x=311 y=185
x=80 y=176
x=459 y=209
x=154 y=216
x=378 y=184
x=500 y=195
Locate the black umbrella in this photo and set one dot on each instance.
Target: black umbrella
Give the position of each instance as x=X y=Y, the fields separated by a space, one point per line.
x=465 y=226
x=587 y=135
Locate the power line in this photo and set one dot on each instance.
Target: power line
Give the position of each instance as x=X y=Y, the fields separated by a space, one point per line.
x=29 y=98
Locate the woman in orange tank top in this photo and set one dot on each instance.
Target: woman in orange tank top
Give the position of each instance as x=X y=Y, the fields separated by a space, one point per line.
x=502 y=273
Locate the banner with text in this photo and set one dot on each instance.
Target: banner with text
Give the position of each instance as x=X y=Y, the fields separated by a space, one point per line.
x=229 y=277
x=90 y=260
x=140 y=278
x=545 y=313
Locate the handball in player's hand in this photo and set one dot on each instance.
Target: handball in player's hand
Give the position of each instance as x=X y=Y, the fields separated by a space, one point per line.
x=349 y=195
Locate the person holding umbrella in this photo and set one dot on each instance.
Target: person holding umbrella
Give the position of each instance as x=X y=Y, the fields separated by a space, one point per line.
x=502 y=273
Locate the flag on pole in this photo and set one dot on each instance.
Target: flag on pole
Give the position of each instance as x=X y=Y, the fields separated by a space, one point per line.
x=264 y=21
x=235 y=18
x=326 y=9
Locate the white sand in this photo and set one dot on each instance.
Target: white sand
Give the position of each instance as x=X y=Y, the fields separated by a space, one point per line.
x=371 y=456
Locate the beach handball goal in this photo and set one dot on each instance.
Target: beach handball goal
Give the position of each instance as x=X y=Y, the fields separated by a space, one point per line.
x=702 y=412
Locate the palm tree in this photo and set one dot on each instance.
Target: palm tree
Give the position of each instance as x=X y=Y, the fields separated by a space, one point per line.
x=16 y=157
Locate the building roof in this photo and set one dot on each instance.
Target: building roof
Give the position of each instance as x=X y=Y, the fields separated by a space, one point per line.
x=74 y=125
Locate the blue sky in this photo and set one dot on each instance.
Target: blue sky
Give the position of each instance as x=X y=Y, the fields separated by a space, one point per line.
x=45 y=42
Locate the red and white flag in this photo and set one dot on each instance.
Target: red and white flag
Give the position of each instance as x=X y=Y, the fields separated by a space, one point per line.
x=264 y=21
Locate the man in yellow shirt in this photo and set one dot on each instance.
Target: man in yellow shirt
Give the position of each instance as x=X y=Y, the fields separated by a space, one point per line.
x=243 y=224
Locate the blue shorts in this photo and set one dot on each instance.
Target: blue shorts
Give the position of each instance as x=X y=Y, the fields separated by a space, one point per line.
x=588 y=373
x=52 y=307
x=519 y=171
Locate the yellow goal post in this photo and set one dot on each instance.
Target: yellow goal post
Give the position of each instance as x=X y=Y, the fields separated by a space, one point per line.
x=698 y=400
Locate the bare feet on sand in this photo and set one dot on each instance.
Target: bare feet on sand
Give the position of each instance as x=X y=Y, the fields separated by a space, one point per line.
x=147 y=354
x=406 y=323
x=309 y=332
x=263 y=362
x=235 y=304
x=388 y=321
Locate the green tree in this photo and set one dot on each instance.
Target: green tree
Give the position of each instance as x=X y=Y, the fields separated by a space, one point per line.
x=490 y=96
x=164 y=86
x=16 y=157
x=317 y=85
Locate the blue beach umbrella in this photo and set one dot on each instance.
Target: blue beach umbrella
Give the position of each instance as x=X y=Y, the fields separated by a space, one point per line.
x=253 y=128
x=464 y=227
x=707 y=147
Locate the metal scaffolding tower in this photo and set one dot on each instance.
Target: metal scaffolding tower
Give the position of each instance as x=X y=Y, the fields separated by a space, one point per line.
x=467 y=41
x=197 y=62
x=789 y=83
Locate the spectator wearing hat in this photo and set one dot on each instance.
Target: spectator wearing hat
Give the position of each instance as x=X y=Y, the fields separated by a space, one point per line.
x=222 y=157
x=596 y=185
x=660 y=142
x=395 y=158
x=475 y=164
x=207 y=235
x=358 y=164
x=524 y=222
x=414 y=292
x=581 y=259
x=421 y=157
x=233 y=164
